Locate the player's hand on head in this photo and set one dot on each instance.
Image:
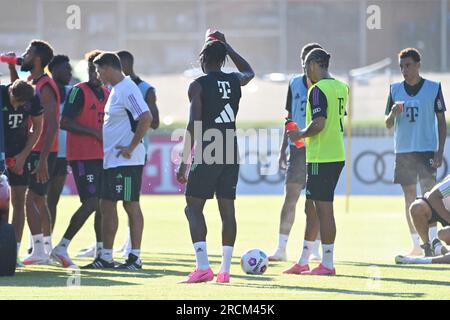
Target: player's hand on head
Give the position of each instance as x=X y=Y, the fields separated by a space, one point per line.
x=219 y=36
x=125 y=152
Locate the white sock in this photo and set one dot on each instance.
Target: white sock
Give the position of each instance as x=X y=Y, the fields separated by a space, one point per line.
x=201 y=255
x=48 y=244
x=315 y=249
x=282 y=241
x=63 y=244
x=432 y=233
x=38 y=244
x=98 y=248
x=327 y=258
x=227 y=254
x=415 y=240
x=306 y=252
x=136 y=252
x=106 y=254
x=422 y=260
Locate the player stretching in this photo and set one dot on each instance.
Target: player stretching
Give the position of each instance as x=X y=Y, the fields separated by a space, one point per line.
x=433 y=207
x=149 y=95
x=18 y=104
x=413 y=106
x=61 y=72
x=325 y=158
x=83 y=119
x=214 y=100
x=296 y=166
x=43 y=156
x=127 y=119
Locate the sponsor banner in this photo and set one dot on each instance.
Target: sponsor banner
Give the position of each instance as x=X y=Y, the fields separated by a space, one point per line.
x=372 y=168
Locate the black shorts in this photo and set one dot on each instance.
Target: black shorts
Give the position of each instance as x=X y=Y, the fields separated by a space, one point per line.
x=16 y=180
x=435 y=217
x=322 y=180
x=205 y=180
x=60 y=168
x=88 y=176
x=122 y=183
x=296 y=166
x=409 y=166
x=32 y=161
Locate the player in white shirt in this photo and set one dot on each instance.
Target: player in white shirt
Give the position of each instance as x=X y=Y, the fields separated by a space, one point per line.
x=433 y=207
x=127 y=119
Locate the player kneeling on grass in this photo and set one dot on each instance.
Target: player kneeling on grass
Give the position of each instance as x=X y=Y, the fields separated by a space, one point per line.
x=433 y=207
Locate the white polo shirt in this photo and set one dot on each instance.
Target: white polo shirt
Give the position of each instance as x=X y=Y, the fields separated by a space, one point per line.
x=444 y=189
x=122 y=110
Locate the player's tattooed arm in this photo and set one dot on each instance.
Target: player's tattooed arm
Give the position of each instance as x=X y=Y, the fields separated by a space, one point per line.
x=150 y=99
x=49 y=103
x=195 y=114
x=246 y=73
x=435 y=199
x=31 y=140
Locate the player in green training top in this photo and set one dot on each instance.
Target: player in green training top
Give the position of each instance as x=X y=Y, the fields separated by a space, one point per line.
x=325 y=158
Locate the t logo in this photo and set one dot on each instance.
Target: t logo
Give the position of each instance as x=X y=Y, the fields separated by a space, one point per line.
x=119 y=188
x=15 y=120
x=224 y=89
x=90 y=178
x=412 y=113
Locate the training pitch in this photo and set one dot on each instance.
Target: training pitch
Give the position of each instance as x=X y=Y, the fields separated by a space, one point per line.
x=368 y=238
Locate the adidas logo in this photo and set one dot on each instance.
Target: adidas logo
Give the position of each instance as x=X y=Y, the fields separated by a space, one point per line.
x=199 y=250
x=305 y=248
x=297 y=96
x=5 y=109
x=226 y=116
x=328 y=251
x=119 y=176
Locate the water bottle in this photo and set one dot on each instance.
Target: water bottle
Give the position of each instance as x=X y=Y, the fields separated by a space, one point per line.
x=291 y=126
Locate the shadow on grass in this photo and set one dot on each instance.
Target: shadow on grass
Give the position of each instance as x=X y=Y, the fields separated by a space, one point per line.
x=396 y=266
x=335 y=291
x=399 y=280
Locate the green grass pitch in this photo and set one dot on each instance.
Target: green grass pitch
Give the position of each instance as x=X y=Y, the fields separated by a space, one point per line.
x=368 y=238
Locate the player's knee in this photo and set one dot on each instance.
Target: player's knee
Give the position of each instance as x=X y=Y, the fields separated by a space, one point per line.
x=444 y=235
x=417 y=209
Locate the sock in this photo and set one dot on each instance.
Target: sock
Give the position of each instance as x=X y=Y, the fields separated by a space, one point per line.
x=48 y=244
x=136 y=252
x=327 y=259
x=421 y=260
x=227 y=253
x=98 y=248
x=38 y=244
x=282 y=241
x=415 y=240
x=63 y=244
x=306 y=252
x=106 y=254
x=18 y=247
x=315 y=249
x=432 y=232
x=201 y=255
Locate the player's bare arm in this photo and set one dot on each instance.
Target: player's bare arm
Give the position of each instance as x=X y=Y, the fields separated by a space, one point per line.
x=151 y=102
x=32 y=138
x=195 y=114
x=48 y=101
x=390 y=119
x=144 y=122
x=442 y=130
x=282 y=160
x=72 y=125
x=435 y=200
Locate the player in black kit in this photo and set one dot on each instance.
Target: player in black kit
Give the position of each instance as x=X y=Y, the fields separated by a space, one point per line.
x=214 y=103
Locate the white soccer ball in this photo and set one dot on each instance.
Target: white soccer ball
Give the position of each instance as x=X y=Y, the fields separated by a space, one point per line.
x=254 y=261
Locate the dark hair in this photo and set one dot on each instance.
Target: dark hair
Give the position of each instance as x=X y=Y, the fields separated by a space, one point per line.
x=213 y=52
x=22 y=90
x=410 y=53
x=126 y=55
x=43 y=50
x=308 y=48
x=91 y=55
x=57 y=60
x=319 y=56
x=108 y=59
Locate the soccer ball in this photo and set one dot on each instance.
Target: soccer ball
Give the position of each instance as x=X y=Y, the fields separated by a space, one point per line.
x=254 y=261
